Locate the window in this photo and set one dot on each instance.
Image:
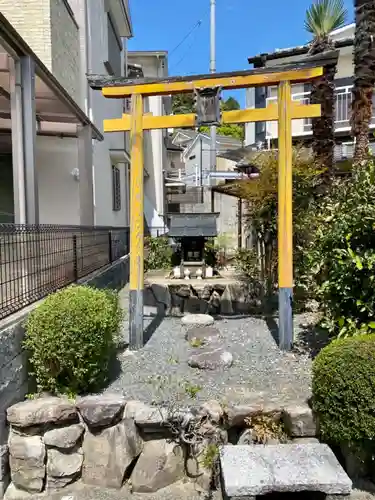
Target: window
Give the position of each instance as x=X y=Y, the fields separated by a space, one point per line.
x=116 y=183
x=113 y=63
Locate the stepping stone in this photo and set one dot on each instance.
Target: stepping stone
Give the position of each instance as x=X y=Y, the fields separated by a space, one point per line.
x=197 y=320
x=202 y=334
x=211 y=358
x=249 y=471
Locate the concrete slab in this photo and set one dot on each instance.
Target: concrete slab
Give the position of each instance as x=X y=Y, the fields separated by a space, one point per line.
x=248 y=471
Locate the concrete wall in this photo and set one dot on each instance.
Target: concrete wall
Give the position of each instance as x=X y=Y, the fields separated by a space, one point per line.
x=59 y=201
x=100 y=109
x=14 y=381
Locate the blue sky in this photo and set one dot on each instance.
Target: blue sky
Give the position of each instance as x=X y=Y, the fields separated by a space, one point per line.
x=244 y=28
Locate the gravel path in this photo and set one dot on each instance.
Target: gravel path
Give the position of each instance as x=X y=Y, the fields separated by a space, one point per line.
x=159 y=372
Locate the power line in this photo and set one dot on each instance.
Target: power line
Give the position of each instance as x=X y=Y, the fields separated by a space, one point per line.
x=197 y=25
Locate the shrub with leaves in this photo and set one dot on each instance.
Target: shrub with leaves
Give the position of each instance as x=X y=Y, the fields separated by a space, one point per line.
x=71 y=337
x=344 y=390
x=247 y=263
x=341 y=257
x=158 y=254
x=260 y=197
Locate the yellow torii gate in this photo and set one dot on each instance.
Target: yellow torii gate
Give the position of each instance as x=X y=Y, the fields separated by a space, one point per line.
x=284 y=112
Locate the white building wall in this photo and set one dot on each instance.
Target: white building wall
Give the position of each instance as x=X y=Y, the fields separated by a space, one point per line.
x=56 y=158
x=101 y=109
x=155 y=154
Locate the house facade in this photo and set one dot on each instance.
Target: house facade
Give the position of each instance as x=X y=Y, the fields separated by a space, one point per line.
x=266 y=133
x=153 y=64
x=80 y=177
x=195 y=156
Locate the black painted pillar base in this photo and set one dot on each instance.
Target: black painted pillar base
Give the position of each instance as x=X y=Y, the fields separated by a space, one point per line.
x=285 y=318
x=135 y=319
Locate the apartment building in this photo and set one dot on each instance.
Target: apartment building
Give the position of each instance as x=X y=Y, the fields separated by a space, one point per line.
x=79 y=174
x=266 y=133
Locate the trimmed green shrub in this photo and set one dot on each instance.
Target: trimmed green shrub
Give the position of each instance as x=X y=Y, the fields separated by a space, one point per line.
x=344 y=390
x=71 y=337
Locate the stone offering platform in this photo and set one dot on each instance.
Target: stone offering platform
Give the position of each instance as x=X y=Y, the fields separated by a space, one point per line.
x=221 y=295
x=253 y=470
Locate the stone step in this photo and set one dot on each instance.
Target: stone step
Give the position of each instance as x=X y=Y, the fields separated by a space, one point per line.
x=249 y=471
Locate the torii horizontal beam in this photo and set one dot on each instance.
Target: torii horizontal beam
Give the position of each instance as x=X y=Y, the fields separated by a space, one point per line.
x=310 y=68
x=270 y=113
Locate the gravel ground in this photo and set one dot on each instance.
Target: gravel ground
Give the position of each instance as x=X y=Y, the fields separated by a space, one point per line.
x=159 y=372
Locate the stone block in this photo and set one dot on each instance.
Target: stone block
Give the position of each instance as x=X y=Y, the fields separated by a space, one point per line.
x=197 y=320
x=211 y=357
x=108 y=454
x=287 y=468
x=64 y=437
x=40 y=411
x=100 y=411
x=148 y=418
x=27 y=455
x=160 y=465
x=299 y=421
x=63 y=468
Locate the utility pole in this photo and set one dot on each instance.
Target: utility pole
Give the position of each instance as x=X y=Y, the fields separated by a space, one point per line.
x=213 y=70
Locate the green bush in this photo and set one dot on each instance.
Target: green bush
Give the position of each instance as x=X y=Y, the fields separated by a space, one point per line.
x=340 y=261
x=344 y=390
x=158 y=253
x=247 y=263
x=71 y=337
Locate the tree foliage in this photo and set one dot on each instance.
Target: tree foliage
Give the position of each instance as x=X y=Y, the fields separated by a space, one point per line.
x=321 y=18
x=341 y=257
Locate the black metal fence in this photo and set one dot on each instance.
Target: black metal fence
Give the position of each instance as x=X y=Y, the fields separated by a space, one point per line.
x=38 y=260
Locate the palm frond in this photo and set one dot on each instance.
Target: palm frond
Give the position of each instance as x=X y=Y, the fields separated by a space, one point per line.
x=324 y=16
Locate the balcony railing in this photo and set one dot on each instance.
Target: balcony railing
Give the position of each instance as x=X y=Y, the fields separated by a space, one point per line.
x=343 y=106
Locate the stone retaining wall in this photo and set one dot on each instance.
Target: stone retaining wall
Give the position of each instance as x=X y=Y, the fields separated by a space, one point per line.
x=175 y=298
x=107 y=441
x=14 y=384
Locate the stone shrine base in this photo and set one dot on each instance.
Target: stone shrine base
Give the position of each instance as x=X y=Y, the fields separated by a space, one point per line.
x=224 y=295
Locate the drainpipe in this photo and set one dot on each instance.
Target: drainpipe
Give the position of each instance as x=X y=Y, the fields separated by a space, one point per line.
x=88 y=55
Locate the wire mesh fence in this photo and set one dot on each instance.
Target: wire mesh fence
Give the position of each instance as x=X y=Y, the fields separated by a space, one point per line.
x=38 y=260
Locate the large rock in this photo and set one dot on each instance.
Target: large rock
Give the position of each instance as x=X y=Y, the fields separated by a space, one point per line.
x=100 y=411
x=226 y=306
x=64 y=437
x=299 y=421
x=148 y=418
x=26 y=459
x=213 y=410
x=249 y=471
x=42 y=411
x=108 y=454
x=211 y=358
x=62 y=468
x=197 y=320
x=202 y=335
x=161 y=294
x=160 y=465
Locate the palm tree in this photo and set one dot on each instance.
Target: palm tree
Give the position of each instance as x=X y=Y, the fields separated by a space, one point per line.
x=364 y=80
x=322 y=18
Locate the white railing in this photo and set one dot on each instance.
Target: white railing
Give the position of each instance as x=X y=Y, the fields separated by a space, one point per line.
x=343 y=103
